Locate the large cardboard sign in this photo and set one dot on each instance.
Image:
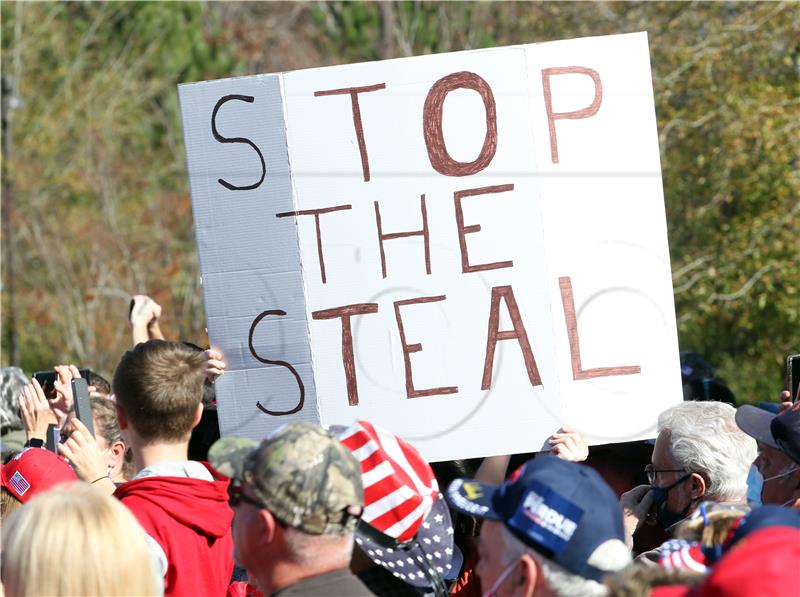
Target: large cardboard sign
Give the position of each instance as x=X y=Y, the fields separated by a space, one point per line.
x=468 y=249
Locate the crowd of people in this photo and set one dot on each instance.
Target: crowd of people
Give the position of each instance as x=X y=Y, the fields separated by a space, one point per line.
x=154 y=502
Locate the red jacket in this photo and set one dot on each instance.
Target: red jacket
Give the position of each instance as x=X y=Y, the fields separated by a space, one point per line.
x=191 y=521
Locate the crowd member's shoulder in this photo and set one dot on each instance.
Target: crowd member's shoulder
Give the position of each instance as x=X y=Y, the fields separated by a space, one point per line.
x=332 y=584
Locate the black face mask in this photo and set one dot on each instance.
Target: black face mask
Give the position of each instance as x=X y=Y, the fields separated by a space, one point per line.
x=664 y=517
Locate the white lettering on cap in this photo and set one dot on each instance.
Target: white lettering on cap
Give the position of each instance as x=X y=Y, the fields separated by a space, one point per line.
x=548 y=518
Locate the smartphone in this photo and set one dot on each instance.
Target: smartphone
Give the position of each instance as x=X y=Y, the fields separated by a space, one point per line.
x=793 y=375
x=83 y=406
x=53 y=438
x=47 y=380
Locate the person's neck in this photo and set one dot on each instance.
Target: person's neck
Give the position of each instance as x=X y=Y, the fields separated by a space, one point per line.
x=283 y=574
x=117 y=476
x=148 y=454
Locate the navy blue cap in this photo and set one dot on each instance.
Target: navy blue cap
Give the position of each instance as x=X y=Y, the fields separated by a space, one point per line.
x=561 y=509
x=755 y=422
x=781 y=432
x=763 y=517
x=785 y=429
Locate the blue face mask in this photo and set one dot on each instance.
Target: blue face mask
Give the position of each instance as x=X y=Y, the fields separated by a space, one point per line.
x=755 y=483
x=664 y=517
x=758 y=485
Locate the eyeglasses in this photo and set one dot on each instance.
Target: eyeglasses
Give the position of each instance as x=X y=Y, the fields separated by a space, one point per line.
x=652 y=472
x=236 y=496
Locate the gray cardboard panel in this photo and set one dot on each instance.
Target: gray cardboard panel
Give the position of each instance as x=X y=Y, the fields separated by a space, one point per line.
x=249 y=260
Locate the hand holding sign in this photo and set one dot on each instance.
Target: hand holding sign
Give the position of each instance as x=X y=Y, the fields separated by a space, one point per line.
x=568 y=444
x=215 y=364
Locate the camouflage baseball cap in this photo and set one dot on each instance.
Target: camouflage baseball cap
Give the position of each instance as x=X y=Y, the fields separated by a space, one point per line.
x=301 y=473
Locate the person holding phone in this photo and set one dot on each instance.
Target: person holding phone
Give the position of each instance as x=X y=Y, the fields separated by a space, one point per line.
x=38 y=413
x=46 y=401
x=104 y=454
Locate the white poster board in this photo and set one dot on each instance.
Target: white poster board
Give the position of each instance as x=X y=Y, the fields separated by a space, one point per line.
x=468 y=249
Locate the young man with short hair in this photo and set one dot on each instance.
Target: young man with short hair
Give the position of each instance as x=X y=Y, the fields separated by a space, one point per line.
x=182 y=504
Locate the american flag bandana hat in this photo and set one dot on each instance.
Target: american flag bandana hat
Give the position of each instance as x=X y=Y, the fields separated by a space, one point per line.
x=399 y=486
x=406 y=526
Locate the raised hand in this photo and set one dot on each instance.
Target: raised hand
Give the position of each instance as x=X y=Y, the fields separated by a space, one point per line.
x=36 y=411
x=85 y=456
x=215 y=364
x=568 y=444
x=636 y=505
x=144 y=318
x=63 y=386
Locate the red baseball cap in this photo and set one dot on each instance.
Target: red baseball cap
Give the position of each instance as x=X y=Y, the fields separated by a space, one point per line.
x=764 y=563
x=35 y=470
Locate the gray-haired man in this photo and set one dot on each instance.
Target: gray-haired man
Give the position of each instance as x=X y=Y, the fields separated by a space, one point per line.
x=296 y=498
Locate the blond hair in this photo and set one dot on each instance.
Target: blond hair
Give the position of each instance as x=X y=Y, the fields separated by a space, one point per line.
x=76 y=540
x=640 y=581
x=8 y=503
x=715 y=528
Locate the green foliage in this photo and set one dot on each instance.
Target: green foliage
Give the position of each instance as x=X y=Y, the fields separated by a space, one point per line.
x=729 y=132
x=100 y=206
x=353 y=29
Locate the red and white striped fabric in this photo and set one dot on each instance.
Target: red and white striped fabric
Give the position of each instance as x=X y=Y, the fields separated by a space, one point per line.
x=679 y=554
x=399 y=486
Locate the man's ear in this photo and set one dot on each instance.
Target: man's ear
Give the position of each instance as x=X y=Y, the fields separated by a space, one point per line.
x=529 y=579
x=269 y=524
x=118 y=450
x=197 y=415
x=698 y=487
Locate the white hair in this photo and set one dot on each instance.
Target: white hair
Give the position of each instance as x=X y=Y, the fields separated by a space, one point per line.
x=704 y=438
x=610 y=556
x=314 y=551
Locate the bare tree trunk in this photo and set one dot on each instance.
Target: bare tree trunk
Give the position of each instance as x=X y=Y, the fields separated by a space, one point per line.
x=8 y=244
x=387 y=29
